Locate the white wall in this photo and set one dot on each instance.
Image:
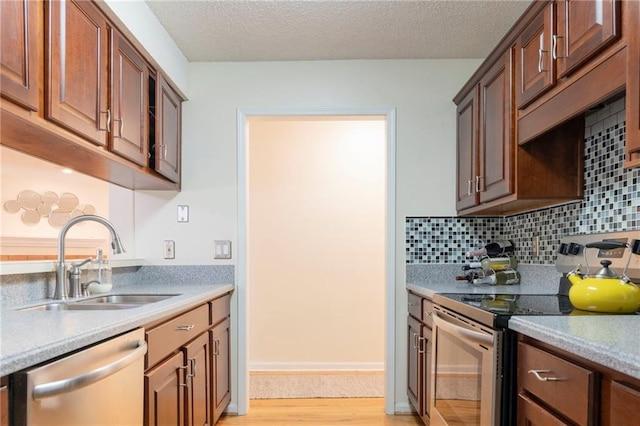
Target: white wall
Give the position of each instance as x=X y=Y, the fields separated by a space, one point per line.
x=316 y=243
x=420 y=90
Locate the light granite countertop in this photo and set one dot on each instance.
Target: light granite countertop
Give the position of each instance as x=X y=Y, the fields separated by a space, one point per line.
x=609 y=340
x=31 y=337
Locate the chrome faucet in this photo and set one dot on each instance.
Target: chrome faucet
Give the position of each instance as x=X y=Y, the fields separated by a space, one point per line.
x=62 y=288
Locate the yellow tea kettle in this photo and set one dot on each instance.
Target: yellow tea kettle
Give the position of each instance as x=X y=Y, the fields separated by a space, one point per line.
x=604 y=291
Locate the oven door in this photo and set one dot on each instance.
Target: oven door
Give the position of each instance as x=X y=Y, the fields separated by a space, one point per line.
x=466 y=381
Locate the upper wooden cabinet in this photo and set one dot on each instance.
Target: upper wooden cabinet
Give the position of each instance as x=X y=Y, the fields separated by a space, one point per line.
x=583 y=28
x=20 y=56
x=77 y=69
x=559 y=39
x=168 y=131
x=82 y=95
x=633 y=87
x=485 y=138
x=520 y=116
x=536 y=69
x=496 y=141
x=130 y=101
x=467 y=150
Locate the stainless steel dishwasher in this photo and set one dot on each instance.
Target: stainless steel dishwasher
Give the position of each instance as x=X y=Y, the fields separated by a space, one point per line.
x=100 y=385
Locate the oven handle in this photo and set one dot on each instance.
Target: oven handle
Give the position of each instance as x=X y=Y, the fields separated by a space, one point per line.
x=461 y=332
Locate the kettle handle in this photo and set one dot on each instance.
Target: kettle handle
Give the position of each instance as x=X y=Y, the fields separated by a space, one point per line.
x=607 y=245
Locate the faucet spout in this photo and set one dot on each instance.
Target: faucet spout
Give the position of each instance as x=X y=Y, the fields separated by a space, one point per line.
x=62 y=289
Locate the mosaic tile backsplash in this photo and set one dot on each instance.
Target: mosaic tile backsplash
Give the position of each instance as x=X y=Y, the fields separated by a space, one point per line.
x=611 y=203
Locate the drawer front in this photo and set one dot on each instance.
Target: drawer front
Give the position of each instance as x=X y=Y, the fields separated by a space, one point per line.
x=531 y=414
x=169 y=336
x=562 y=385
x=414 y=306
x=220 y=309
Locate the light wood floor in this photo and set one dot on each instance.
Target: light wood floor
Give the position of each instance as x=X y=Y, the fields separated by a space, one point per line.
x=319 y=412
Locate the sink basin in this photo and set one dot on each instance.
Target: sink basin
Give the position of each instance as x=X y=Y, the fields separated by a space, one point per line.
x=126 y=299
x=101 y=303
x=80 y=306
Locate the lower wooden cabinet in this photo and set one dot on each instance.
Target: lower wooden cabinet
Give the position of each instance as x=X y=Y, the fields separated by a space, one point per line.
x=624 y=401
x=4 y=405
x=165 y=392
x=419 y=355
x=221 y=362
x=531 y=413
x=187 y=381
x=556 y=387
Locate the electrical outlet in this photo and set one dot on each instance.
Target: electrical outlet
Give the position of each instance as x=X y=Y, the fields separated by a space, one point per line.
x=535 y=245
x=222 y=249
x=169 y=249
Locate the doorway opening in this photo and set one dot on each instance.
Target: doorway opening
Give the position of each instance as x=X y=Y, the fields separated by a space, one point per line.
x=316 y=254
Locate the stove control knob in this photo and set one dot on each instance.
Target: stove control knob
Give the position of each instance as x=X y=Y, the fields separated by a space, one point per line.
x=575 y=248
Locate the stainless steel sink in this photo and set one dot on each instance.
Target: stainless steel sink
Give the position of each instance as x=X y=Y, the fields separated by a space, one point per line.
x=126 y=298
x=101 y=303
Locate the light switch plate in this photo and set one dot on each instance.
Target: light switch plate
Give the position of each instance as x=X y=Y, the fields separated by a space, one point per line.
x=183 y=214
x=222 y=249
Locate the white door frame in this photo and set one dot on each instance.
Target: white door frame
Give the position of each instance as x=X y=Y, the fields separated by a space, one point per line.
x=242 y=382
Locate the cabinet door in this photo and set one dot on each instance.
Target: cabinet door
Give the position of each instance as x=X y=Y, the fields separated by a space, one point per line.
x=535 y=66
x=415 y=365
x=78 y=68
x=496 y=142
x=531 y=414
x=4 y=406
x=199 y=373
x=623 y=408
x=221 y=378
x=130 y=88
x=19 y=41
x=633 y=86
x=165 y=391
x=426 y=372
x=583 y=29
x=168 y=131
x=467 y=142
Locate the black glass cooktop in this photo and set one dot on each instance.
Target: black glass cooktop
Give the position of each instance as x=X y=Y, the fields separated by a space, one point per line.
x=495 y=309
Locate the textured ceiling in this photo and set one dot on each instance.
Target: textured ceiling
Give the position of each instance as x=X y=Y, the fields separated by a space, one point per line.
x=279 y=30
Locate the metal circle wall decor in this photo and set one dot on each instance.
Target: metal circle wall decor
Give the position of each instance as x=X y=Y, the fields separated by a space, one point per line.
x=57 y=209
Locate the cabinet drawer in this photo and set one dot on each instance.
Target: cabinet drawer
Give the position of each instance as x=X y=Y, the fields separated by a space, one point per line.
x=169 y=336
x=427 y=309
x=531 y=414
x=563 y=385
x=414 y=305
x=220 y=309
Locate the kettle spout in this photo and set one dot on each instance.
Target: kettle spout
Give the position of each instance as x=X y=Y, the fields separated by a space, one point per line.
x=574 y=277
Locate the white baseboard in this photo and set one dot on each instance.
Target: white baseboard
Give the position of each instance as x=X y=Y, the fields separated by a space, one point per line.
x=316 y=366
x=403 y=408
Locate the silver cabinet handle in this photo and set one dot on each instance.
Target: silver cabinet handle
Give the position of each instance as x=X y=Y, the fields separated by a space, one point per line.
x=108 y=112
x=537 y=375
x=71 y=384
x=186 y=376
x=540 y=52
x=469 y=182
x=185 y=327
x=216 y=347
x=478 y=182
x=192 y=364
x=421 y=341
x=163 y=152
x=554 y=49
x=121 y=120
